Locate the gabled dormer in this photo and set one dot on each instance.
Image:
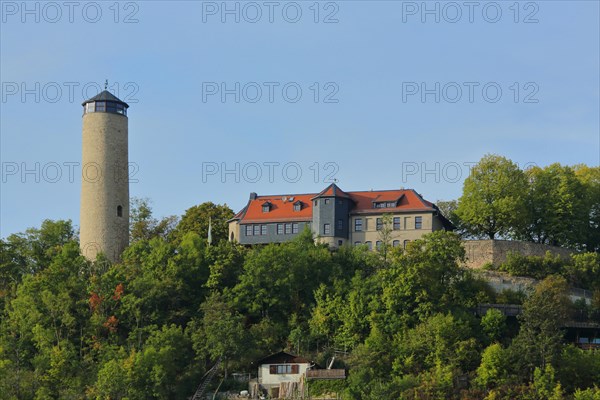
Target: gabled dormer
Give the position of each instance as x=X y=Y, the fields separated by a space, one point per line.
x=266 y=207
x=298 y=205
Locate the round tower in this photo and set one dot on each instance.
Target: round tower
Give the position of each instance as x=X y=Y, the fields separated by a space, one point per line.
x=104 y=212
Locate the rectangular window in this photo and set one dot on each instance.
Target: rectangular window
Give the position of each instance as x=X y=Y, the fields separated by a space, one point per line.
x=391 y=205
x=280 y=229
x=418 y=222
x=379 y=223
x=288 y=229
x=369 y=245
x=378 y=244
x=294 y=228
x=340 y=224
x=326 y=229
x=284 y=369
x=326 y=201
x=396 y=223
x=248 y=230
x=256 y=230
x=100 y=106
x=297 y=207
x=263 y=229
x=358 y=225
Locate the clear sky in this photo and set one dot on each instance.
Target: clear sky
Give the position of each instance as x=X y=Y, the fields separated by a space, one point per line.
x=393 y=94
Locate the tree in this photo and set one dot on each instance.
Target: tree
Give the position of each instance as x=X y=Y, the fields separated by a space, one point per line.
x=590 y=179
x=493 y=324
x=221 y=331
x=196 y=219
x=494 y=368
x=544 y=314
x=555 y=199
x=423 y=280
x=448 y=209
x=385 y=235
x=142 y=225
x=492 y=202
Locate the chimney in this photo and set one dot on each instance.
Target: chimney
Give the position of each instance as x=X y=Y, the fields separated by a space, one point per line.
x=253 y=196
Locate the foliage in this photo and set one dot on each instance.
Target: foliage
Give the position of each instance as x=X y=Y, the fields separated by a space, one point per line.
x=544 y=314
x=401 y=321
x=198 y=218
x=492 y=203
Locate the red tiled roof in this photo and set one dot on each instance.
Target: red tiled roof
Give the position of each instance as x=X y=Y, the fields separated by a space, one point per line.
x=409 y=201
x=280 y=210
x=283 y=210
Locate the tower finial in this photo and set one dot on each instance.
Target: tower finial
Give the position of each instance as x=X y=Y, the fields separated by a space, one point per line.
x=106 y=84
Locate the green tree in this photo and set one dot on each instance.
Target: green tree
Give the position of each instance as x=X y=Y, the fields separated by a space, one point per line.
x=159 y=370
x=385 y=235
x=196 y=219
x=492 y=202
x=142 y=225
x=590 y=178
x=494 y=368
x=493 y=324
x=220 y=333
x=544 y=314
x=423 y=280
x=555 y=199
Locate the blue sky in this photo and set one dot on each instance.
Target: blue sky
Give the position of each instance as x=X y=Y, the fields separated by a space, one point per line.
x=367 y=125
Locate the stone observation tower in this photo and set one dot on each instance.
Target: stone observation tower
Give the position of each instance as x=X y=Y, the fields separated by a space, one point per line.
x=104 y=212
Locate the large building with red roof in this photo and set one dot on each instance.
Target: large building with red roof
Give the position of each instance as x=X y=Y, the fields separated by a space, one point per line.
x=337 y=217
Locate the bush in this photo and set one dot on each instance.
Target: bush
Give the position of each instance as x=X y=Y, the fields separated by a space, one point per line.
x=532 y=266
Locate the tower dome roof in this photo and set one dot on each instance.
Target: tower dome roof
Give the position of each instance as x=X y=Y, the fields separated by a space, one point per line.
x=105 y=95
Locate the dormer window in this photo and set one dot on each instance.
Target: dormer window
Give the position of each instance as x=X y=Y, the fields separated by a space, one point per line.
x=384 y=204
x=298 y=206
x=266 y=207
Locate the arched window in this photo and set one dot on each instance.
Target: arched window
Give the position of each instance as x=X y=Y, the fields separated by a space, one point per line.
x=232 y=237
x=119 y=211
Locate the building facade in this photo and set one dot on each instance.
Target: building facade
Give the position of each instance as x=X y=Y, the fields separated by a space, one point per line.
x=337 y=218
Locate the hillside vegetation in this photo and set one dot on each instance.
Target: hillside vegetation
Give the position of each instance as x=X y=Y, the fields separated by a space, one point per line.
x=401 y=321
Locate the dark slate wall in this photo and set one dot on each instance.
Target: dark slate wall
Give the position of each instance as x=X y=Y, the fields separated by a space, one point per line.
x=271 y=236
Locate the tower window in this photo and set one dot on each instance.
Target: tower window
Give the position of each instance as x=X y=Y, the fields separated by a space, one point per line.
x=119 y=211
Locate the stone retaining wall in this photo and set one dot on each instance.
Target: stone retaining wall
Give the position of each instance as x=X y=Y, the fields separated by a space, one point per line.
x=480 y=252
